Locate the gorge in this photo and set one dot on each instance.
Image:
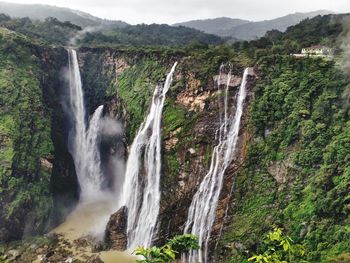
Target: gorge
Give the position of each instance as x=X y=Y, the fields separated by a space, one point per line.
x=107 y=148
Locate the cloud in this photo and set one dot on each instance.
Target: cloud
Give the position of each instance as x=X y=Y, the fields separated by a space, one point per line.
x=171 y=11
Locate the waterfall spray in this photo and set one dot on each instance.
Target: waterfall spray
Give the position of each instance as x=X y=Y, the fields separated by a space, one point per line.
x=143 y=202
x=201 y=215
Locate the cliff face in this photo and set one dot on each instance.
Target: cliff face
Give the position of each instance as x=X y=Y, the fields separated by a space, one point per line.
x=296 y=162
x=293 y=145
x=124 y=81
x=32 y=134
x=290 y=149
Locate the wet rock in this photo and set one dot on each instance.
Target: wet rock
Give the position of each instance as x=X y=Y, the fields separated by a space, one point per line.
x=82 y=242
x=94 y=259
x=13 y=254
x=58 y=255
x=115 y=235
x=98 y=247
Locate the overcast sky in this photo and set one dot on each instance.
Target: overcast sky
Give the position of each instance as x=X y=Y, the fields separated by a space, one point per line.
x=172 y=11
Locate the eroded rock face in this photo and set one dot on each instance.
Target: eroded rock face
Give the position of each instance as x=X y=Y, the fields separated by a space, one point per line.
x=115 y=235
x=187 y=146
x=194 y=156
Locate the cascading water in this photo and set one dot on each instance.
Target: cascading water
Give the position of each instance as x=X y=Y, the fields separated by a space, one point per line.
x=143 y=201
x=201 y=215
x=84 y=141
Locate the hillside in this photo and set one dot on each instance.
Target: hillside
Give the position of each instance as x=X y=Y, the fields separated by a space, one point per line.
x=41 y=12
x=213 y=26
x=53 y=31
x=250 y=30
x=148 y=35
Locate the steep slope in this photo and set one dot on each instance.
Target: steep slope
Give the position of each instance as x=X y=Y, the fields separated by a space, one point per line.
x=296 y=170
x=29 y=113
x=41 y=12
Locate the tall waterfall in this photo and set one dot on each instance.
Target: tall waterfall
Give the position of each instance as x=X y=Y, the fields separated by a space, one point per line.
x=84 y=140
x=141 y=191
x=201 y=215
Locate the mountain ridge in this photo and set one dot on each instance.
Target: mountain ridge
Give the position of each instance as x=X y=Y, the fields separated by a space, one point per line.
x=41 y=12
x=210 y=25
x=251 y=29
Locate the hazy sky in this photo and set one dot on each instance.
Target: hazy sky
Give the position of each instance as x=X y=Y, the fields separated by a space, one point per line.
x=171 y=11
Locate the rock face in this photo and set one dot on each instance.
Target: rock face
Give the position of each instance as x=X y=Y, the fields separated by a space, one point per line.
x=194 y=159
x=190 y=122
x=115 y=235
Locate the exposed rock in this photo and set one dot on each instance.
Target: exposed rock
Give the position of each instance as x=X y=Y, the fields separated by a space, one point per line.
x=82 y=242
x=58 y=255
x=192 y=82
x=115 y=235
x=120 y=66
x=279 y=169
x=192 y=151
x=223 y=79
x=94 y=259
x=173 y=140
x=192 y=100
x=13 y=254
x=45 y=163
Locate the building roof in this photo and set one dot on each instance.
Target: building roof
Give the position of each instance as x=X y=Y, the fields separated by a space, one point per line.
x=317 y=47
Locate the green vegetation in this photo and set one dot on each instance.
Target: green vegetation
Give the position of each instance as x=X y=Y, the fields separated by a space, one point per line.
x=50 y=30
x=24 y=137
x=170 y=251
x=143 y=35
x=296 y=173
x=320 y=30
x=136 y=93
x=279 y=248
x=300 y=124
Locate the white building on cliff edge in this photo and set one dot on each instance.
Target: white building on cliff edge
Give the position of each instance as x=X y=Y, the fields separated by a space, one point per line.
x=315 y=51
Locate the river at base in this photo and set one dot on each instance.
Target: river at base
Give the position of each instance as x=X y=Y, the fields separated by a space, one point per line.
x=90 y=218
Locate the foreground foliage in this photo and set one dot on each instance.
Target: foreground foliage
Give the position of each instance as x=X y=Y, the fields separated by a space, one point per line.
x=170 y=251
x=279 y=248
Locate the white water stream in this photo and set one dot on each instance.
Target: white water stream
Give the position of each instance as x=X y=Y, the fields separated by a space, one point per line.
x=84 y=140
x=201 y=215
x=141 y=191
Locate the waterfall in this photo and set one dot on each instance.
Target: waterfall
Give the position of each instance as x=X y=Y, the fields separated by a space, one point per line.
x=201 y=215
x=141 y=191
x=84 y=140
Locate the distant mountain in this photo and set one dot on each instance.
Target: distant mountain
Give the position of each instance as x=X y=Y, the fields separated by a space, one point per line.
x=213 y=26
x=41 y=12
x=251 y=30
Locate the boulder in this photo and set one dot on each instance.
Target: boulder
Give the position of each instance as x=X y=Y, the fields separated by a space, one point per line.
x=116 y=230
